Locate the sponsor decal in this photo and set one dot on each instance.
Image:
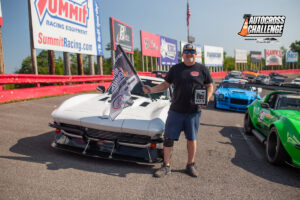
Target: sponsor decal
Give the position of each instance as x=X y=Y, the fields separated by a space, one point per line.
x=65 y=10
x=194 y=73
x=268 y=26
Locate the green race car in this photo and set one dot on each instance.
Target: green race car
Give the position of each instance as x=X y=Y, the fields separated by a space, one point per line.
x=275 y=121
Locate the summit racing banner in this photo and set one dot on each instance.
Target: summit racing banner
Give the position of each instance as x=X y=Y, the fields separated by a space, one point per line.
x=67 y=25
x=273 y=57
x=124 y=80
x=1 y=21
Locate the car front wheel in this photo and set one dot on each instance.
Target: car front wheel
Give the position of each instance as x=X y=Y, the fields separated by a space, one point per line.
x=248 y=126
x=275 y=152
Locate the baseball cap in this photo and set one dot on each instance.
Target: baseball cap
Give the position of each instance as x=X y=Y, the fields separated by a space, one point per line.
x=189 y=47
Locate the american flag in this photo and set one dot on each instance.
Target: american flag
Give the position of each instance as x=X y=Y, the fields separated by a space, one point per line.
x=188 y=14
x=1 y=22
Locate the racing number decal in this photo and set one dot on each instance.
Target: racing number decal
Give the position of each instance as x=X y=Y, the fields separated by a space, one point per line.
x=261 y=116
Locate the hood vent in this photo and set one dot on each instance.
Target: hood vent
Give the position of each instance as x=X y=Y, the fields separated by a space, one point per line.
x=145 y=104
x=104 y=99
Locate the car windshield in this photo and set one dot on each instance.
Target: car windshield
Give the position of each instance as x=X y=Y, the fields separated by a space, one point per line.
x=289 y=102
x=278 y=79
x=235 y=85
x=137 y=90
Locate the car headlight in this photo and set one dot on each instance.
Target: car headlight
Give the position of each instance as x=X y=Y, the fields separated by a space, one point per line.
x=221 y=96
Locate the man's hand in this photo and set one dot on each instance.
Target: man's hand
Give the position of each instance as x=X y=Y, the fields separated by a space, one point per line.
x=147 y=89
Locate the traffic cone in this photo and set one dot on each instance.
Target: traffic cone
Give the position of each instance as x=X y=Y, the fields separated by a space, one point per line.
x=244 y=30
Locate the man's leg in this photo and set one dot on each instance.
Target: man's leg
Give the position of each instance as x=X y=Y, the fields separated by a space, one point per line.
x=167 y=154
x=191 y=148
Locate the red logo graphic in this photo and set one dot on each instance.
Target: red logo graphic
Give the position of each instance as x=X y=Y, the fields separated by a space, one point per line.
x=66 y=10
x=194 y=73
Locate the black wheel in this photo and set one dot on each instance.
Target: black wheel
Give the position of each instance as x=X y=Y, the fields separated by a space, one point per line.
x=275 y=152
x=248 y=126
x=215 y=102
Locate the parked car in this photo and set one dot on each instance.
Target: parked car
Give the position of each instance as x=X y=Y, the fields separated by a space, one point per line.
x=234 y=75
x=296 y=81
x=276 y=80
x=275 y=121
x=262 y=79
x=159 y=74
x=235 y=95
x=251 y=75
x=83 y=126
x=273 y=74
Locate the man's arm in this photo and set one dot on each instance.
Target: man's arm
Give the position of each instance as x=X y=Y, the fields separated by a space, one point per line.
x=158 y=88
x=210 y=90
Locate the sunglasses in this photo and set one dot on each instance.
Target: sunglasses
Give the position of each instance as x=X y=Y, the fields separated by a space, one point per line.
x=189 y=51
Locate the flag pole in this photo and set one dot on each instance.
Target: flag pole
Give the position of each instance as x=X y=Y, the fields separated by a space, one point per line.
x=188 y=20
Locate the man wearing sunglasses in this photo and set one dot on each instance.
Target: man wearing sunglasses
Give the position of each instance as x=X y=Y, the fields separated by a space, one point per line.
x=184 y=114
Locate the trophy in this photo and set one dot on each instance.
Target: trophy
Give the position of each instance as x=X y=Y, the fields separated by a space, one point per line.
x=201 y=96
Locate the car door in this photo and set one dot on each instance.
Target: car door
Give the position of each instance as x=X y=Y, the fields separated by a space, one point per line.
x=266 y=114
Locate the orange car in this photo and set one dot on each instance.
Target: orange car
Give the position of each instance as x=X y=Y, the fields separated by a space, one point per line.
x=251 y=75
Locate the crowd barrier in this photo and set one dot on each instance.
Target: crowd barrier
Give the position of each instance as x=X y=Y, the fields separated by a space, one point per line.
x=50 y=85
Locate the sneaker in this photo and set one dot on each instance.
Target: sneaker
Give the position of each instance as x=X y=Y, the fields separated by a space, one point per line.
x=191 y=170
x=163 y=171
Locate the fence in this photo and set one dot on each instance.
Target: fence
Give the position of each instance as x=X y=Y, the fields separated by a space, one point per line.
x=50 y=85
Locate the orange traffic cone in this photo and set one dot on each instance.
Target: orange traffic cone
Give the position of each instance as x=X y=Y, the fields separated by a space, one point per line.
x=244 y=30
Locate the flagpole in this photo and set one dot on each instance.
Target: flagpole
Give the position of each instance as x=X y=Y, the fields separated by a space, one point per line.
x=188 y=14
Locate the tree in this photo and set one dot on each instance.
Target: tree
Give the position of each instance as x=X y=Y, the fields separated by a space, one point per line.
x=295 y=46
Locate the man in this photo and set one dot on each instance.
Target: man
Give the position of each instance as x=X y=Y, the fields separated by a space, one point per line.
x=184 y=114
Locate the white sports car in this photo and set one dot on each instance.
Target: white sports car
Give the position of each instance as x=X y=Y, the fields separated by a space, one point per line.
x=83 y=126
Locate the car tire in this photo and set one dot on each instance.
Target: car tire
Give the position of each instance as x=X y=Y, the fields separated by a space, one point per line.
x=215 y=102
x=248 y=126
x=275 y=152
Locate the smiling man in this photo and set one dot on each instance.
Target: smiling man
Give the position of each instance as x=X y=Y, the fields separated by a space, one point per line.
x=184 y=114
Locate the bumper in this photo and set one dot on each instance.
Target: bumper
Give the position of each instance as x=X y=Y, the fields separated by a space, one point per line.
x=230 y=106
x=108 y=145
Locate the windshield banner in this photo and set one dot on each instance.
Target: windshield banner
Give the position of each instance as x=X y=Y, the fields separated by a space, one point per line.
x=124 y=80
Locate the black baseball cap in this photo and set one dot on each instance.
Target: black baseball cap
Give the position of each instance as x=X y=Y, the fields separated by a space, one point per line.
x=189 y=47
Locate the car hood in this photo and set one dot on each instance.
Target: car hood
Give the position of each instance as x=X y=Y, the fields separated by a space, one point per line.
x=142 y=116
x=237 y=93
x=292 y=115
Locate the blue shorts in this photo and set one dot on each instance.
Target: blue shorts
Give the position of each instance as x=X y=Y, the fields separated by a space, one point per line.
x=177 y=122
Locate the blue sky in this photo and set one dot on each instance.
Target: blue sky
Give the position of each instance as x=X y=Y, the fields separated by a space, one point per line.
x=213 y=23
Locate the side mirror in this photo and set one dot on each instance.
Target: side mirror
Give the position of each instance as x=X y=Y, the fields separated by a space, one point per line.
x=101 y=89
x=265 y=105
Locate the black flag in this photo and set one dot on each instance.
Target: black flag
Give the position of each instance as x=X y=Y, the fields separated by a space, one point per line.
x=124 y=80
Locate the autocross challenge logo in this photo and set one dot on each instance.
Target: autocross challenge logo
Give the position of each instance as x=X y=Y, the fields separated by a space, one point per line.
x=262 y=26
x=65 y=10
